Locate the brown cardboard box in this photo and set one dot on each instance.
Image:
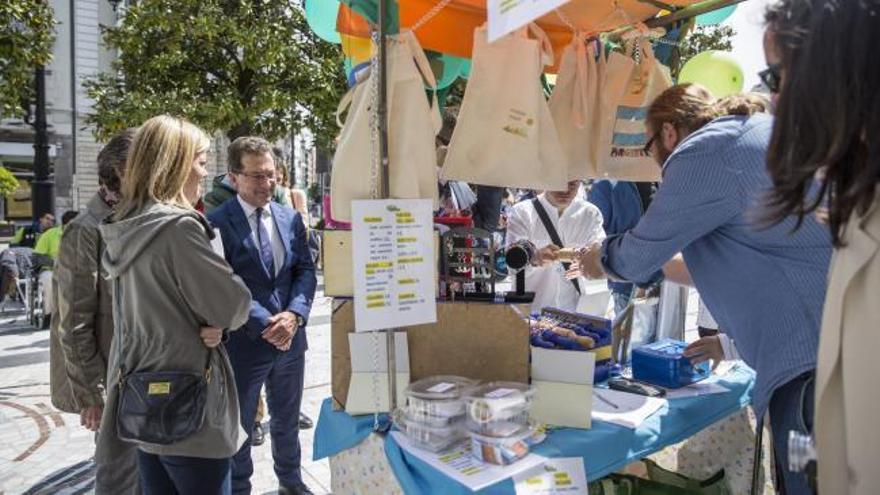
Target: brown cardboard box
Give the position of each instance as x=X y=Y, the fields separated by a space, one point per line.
x=336 y=253
x=477 y=340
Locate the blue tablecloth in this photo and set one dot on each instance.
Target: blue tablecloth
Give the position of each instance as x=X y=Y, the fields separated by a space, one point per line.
x=605 y=447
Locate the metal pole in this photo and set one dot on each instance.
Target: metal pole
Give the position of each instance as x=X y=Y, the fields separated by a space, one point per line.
x=692 y=11
x=42 y=187
x=383 y=186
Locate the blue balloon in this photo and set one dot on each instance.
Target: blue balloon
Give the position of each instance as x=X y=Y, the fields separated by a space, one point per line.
x=321 y=16
x=716 y=16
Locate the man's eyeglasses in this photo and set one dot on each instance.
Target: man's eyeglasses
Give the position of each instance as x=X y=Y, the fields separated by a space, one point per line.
x=259 y=177
x=771 y=77
x=650 y=144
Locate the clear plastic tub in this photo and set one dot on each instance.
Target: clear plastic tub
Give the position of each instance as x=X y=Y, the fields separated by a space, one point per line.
x=500 y=451
x=436 y=398
x=431 y=438
x=499 y=409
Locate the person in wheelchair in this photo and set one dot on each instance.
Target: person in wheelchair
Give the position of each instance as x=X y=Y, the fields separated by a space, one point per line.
x=44 y=256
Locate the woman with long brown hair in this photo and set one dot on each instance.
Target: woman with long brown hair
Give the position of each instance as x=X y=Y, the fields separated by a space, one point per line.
x=824 y=159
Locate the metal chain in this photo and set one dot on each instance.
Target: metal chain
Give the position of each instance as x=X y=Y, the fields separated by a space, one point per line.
x=377 y=403
x=430 y=14
x=375 y=159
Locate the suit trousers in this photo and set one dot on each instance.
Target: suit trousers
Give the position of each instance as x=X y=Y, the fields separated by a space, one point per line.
x=256 y=363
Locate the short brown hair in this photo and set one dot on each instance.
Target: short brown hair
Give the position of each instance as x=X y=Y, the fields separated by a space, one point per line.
x=743 y=104
x=111 y=159
x=686 y=106
x=246 y=145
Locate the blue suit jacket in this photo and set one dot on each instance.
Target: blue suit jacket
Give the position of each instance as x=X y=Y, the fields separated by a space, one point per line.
x=292 y=289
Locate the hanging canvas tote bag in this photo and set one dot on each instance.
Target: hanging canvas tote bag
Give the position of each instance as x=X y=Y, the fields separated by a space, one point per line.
x=505 y=134
x=628 y=94
x=413 y=124
x=574 y=105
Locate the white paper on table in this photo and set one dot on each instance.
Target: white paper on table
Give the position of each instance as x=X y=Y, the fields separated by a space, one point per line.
x=393 y=263
x=458 y=463
x=505 y=16
x=632 y=409
x=695 y=390
x=557 y=475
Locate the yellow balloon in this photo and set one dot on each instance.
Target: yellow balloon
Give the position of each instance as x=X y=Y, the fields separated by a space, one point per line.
x=357 y=49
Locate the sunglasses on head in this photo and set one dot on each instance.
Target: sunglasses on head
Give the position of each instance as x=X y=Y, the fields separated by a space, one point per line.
x=771 y=77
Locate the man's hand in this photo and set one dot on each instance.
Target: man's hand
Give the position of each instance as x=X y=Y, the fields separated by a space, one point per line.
x=589 y=261
x=705 y=349
x=281 y=329
x=90 y=417
x=211 y=336
x=546 y=255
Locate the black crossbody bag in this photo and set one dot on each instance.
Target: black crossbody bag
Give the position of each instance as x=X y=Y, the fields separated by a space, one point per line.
x=159 y=407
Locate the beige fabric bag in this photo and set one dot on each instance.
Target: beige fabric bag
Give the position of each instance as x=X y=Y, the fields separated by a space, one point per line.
x=575 y=104
x=505 y=134
x=629 y=89
x=412 y=126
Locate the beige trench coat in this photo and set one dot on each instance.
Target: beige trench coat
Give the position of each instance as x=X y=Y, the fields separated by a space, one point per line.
x=847 y=424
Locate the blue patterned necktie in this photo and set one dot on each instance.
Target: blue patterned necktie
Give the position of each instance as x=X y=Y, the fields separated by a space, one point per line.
x=265 y=245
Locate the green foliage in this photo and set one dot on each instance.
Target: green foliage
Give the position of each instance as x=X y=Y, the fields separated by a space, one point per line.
x=699 y=40
x=8 y=182
x=237 y=66
x=26 y=39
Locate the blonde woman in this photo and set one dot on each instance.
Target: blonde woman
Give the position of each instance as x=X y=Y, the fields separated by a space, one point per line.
x=160 y=260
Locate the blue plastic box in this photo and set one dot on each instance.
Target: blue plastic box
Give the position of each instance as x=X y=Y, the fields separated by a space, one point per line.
x=663 y=364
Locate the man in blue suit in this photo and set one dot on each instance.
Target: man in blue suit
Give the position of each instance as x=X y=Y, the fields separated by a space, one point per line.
x=266 y=245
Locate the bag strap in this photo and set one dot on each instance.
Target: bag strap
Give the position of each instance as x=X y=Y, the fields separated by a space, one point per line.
x=424 y=67
x=579 y=107
x=546 y=46
x=344 y=103
x=554 y=236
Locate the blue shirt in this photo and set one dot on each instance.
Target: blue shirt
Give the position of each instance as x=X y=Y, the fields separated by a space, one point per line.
x=765 y=286
x=621 y=208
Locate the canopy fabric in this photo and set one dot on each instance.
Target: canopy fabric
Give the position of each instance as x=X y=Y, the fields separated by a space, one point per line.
x=451 y=30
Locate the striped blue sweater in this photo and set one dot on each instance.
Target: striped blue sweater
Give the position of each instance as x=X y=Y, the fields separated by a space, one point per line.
x=764 y=286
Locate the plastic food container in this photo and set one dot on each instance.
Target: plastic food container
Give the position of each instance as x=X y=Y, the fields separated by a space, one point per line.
x=428 y=437
x=500 y=451
x=499 y=409
x=663 y=363
x=437 y=398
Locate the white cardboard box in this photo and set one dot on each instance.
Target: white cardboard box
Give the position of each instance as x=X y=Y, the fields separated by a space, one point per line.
x=563 y=382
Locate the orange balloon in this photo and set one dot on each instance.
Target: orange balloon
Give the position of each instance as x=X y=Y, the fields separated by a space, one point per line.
x=357 y=49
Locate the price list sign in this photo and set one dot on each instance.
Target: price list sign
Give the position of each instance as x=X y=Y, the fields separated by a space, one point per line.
x=393 y=262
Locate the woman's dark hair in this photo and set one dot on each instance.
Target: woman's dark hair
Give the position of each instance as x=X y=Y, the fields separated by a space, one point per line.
x=827 y=127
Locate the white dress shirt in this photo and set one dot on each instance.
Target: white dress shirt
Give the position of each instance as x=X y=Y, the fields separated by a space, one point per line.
x=250 y=212
x=579 y=225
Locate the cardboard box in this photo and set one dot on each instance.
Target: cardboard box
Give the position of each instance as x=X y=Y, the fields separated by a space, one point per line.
x=336 y=253
x=563 y=382
x=476 y=340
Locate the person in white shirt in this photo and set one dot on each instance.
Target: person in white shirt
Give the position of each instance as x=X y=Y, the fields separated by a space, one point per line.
x=576 y=221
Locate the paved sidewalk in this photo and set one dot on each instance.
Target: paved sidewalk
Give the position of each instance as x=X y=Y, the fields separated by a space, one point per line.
x=43 y=451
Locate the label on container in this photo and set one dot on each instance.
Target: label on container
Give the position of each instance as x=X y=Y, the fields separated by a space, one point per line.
x=441 y=387
x=500 y=392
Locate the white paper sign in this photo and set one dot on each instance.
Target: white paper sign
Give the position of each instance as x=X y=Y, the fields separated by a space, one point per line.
x=559 y=475
x=393 y=262
x=505 y=16
x=458 y=463
x=624 y=409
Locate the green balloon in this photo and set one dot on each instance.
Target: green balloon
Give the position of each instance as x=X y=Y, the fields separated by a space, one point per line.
x=451 y=70
x=716 y=16
x=466 y=69
x=717 y=71
x=321 y=16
